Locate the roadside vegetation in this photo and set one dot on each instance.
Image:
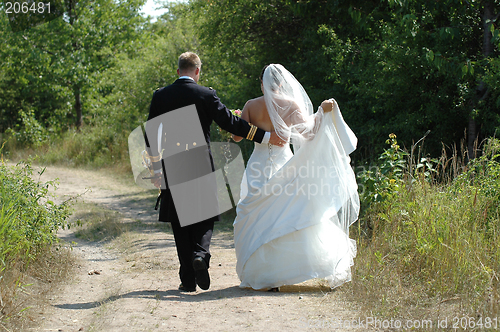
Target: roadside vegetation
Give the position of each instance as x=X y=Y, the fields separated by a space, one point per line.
x=29 y=248
x=72 y=91
x=428 y=236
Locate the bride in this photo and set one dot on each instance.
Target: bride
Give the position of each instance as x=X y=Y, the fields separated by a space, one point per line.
x=295 y=209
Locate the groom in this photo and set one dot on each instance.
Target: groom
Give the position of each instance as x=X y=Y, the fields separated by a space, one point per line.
x=189 y=162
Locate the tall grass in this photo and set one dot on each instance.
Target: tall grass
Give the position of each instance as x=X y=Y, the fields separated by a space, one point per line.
x=428 y=240
x=94 y=146
x=29 y=221
x=91 y=147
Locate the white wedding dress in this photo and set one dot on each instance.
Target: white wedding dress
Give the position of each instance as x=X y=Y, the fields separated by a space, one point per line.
x=294 y=214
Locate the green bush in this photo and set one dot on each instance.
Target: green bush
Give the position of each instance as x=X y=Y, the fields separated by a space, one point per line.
x=30 y=132
x=430 y=242
x=29 y=220
x=381 y=182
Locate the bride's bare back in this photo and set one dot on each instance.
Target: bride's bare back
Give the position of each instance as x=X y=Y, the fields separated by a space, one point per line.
x=255 y=112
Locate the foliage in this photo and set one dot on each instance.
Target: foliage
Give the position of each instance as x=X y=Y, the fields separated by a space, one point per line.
x=392 y=66
x=91 y=147
x=224 y=135
x=431 y=242
x=56 y=63
x=30 y=132
x=24 y=85
x=483 y=173
x=385 y=180
x=29 y=220
x=118 y=94
x=121 y=99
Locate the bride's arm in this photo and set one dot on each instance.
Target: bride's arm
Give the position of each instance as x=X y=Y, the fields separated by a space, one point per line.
x=308 y=126
x=245 y=115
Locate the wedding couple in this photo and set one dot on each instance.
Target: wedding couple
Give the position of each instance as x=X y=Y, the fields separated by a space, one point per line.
x=295 y=208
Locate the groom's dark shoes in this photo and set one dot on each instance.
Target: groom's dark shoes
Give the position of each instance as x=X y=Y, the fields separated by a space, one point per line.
x=183 y=288
x=201 y=272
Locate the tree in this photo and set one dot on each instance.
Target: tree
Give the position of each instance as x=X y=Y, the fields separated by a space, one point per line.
x=72 y=51
x=394 y=66
x=458 y=36
x=123 y=94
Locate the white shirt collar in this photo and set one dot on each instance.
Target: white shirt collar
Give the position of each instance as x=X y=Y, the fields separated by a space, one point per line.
x=188 y=77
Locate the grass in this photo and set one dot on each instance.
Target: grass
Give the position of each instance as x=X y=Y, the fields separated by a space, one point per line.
x=29 y=220
x=97 y=224
x=91 y=148
x=427 y=237
x=429 y=249
x=25 y=289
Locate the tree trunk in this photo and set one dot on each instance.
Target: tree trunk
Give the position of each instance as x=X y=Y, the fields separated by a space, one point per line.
x=471 y=137
x=78 y=109
x=488 y=16
x=481 y=90
x=76 y=89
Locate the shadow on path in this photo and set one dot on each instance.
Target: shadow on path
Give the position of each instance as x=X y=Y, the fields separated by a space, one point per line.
x=212 y=295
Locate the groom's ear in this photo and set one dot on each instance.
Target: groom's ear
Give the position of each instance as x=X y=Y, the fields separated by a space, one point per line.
x=178 y=72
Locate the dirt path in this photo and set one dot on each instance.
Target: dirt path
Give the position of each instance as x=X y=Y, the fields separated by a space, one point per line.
x=136 y=288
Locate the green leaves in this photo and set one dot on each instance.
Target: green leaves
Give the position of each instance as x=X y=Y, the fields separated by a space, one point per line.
x=468 y=68
x=57 y=59
x=430 y=55
x=28 y=219
x=381 y=182
x=403 y=66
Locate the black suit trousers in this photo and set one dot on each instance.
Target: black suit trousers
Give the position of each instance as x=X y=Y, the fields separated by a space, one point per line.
x=192 y=241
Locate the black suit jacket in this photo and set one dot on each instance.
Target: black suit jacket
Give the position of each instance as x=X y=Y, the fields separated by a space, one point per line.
x=183 y=93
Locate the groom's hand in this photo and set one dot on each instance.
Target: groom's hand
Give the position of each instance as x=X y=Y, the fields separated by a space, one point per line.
x=276 y=140
x=156 y=182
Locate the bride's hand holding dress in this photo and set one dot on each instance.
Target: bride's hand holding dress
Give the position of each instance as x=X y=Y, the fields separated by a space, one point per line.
x=327 y=105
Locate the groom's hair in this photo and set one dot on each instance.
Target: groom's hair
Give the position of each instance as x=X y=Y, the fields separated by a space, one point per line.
x=189 y=61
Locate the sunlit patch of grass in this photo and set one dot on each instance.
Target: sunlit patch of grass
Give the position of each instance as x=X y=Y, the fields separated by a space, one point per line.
x=98 y=224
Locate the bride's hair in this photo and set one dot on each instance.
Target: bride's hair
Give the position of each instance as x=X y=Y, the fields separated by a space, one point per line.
x=262 y=72
x=277 y=82
x=288 y=105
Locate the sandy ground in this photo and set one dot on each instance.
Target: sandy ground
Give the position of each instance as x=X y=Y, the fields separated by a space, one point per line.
x=136 y=285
